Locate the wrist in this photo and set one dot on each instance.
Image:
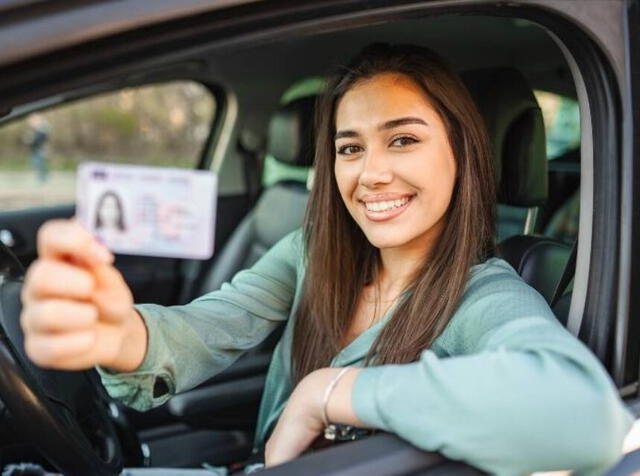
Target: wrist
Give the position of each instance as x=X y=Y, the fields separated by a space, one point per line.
x=132 y=347
x=339 y=407
x=328 y=392
x=313 y=389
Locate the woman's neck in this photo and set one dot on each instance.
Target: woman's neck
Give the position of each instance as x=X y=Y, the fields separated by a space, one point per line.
x=398 y=266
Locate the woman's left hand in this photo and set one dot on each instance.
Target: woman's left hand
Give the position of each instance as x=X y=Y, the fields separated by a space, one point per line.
x=301 y=421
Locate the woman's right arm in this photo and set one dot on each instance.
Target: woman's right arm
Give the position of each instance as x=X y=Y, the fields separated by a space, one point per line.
x=157 y=351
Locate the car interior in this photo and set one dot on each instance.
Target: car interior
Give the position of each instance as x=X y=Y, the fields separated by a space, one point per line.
x=260 y=143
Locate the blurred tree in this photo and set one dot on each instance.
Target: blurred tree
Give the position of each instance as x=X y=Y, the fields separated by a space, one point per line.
x=158 y=124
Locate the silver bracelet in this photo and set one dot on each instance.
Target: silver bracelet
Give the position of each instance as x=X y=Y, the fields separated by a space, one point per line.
x=327 y=394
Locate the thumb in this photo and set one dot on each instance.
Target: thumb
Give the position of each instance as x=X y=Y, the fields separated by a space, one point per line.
x=112 y=296
x=68 y=240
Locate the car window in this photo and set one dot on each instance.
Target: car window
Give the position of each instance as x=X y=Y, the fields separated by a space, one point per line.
x=561 y=117
x=163 y=124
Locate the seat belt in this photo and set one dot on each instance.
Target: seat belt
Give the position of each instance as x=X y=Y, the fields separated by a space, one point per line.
x=567 y=275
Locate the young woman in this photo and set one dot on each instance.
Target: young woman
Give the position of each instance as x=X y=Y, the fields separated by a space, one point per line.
x=398 y=317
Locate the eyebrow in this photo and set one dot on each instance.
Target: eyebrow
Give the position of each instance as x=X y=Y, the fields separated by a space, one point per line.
x=392 y=124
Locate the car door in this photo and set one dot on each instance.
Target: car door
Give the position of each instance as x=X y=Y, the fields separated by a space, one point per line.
x=627 y=346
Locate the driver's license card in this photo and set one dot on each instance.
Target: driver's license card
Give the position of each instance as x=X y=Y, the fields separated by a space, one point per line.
x=152 y=211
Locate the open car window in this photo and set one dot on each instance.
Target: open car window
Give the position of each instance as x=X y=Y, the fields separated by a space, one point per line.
x=163 y=124
x=561 y=123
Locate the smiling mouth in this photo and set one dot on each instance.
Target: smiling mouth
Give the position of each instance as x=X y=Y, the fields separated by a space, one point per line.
x=386 y=205
x=386 y=209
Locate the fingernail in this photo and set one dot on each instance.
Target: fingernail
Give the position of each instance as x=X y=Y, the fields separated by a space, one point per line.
x=101 y=253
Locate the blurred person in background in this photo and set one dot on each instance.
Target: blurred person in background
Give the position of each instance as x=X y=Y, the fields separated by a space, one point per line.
x=37 y=145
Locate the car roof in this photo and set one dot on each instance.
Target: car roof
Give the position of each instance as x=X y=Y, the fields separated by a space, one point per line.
x=501 y=42
x=35 y=27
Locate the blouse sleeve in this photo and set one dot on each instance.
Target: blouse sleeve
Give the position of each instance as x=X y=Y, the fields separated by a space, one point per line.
x=190 y=343
x=512 y=393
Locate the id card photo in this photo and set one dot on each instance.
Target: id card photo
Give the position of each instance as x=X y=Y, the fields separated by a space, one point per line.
x=152 y=211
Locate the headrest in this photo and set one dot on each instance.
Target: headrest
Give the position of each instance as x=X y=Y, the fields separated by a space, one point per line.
x=516 y=130
x=291 y=138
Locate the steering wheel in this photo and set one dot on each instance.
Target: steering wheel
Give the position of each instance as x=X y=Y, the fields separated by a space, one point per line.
x=66 y=416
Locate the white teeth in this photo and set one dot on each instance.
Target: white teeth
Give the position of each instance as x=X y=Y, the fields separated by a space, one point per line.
x=386 y=205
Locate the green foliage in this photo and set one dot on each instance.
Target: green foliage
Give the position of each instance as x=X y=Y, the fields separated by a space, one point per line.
x=122 y=123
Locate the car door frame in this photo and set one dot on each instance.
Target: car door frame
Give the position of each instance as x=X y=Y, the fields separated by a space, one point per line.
x=611 y=264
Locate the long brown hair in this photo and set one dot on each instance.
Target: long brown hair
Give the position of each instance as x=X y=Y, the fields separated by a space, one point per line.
x=340 y=261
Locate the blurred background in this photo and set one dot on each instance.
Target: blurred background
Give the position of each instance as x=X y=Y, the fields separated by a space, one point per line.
x=163 y=125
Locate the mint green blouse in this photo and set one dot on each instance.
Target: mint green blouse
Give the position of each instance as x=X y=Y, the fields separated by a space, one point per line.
x=505 y=387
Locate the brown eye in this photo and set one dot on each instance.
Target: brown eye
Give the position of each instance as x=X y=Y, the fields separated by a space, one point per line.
x=349 y=149
x=403 y=141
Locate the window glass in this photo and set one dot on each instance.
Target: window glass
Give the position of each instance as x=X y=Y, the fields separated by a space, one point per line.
x=161 y=125
x=561 y=117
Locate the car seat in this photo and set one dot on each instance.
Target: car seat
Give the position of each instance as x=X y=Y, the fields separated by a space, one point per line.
x=516 y=132
x=516 y=129
x=280 y=208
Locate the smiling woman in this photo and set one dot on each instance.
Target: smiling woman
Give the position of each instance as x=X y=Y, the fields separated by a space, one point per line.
x=396 y=125
x=398 y=316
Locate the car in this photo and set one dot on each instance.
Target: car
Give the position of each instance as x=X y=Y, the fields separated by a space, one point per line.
x=209 y=85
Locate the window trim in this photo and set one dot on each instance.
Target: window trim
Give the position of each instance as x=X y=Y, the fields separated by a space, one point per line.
x=593 y=311
x=627 y=358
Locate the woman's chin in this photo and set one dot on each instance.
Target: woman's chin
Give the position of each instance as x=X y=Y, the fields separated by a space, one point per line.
x=384 y=240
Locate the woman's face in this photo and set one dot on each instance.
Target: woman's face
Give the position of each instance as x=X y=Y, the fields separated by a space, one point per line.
x=393 y=163
x=109 y=212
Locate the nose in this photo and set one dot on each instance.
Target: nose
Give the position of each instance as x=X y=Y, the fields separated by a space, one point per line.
x=376 y=170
